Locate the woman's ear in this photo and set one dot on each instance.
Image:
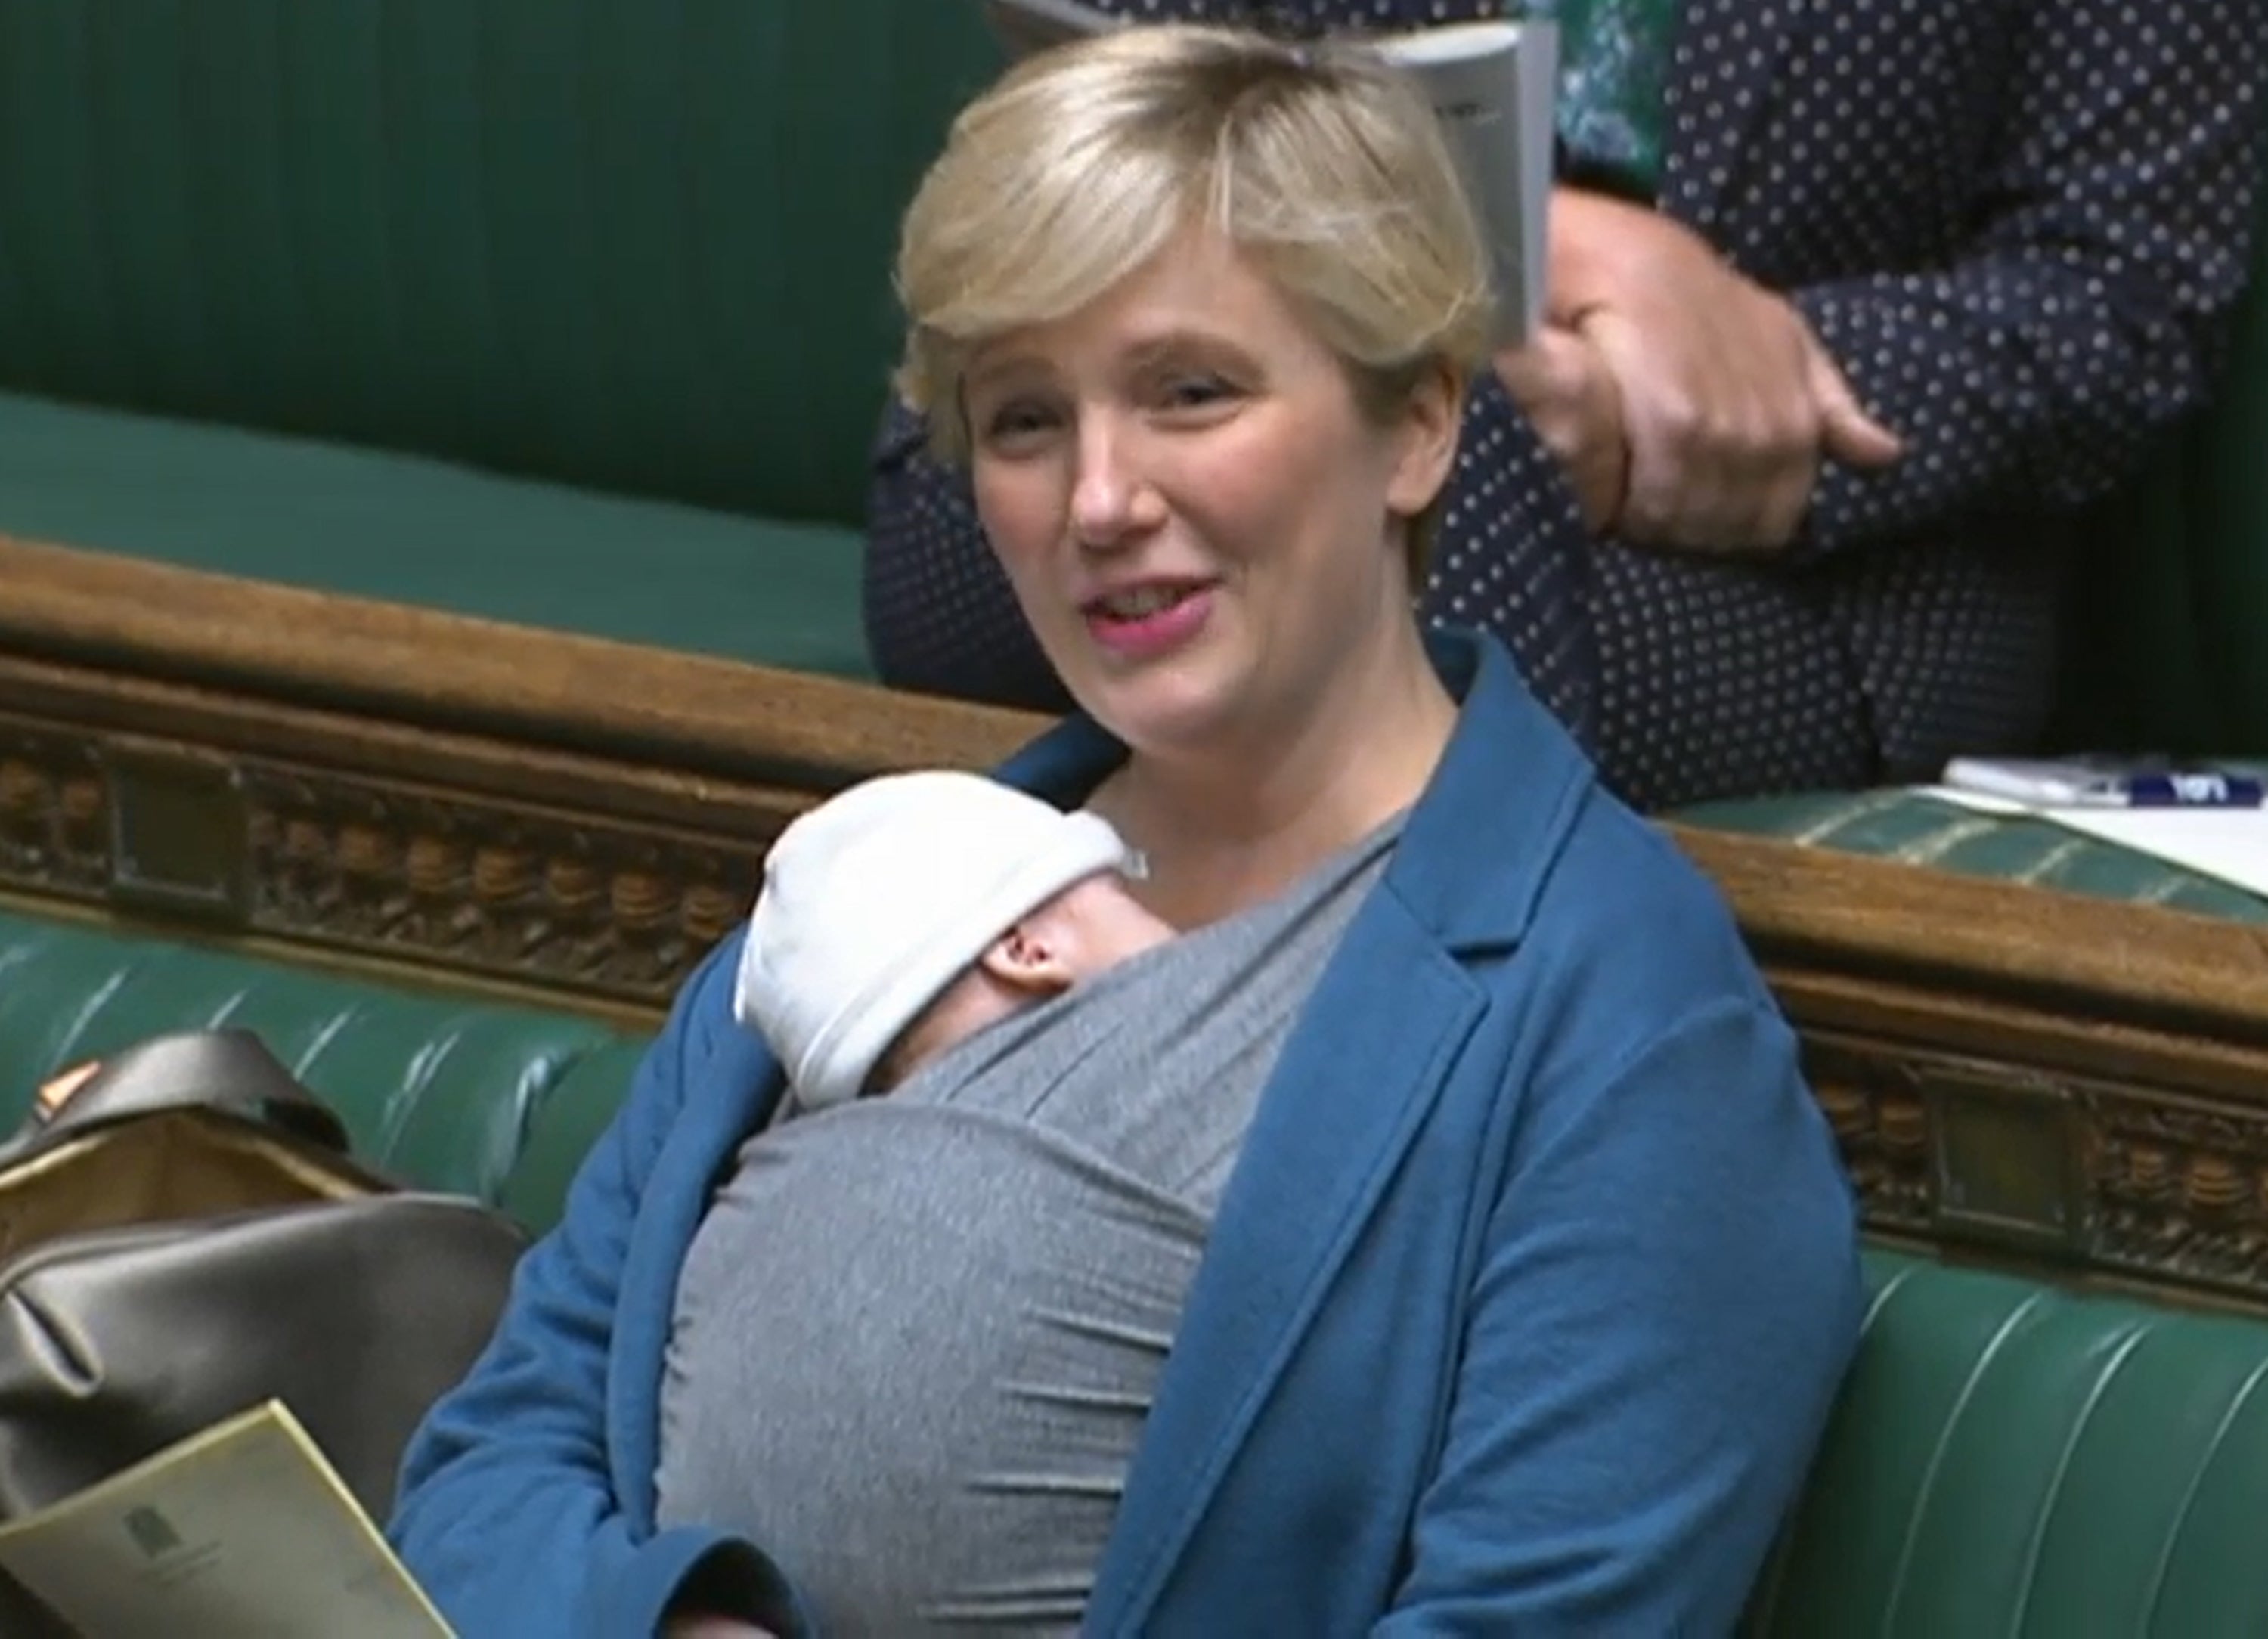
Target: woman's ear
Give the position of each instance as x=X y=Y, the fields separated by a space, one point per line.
x=1429 y=421
x=1026 y=958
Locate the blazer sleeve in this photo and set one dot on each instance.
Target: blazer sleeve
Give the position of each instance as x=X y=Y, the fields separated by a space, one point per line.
x=2089 y=308
x=1668 y=1299
x=507 y=1514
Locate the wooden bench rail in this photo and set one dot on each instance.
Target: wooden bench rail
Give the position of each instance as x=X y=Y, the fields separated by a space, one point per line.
x=389 y=662
x=1894 y=921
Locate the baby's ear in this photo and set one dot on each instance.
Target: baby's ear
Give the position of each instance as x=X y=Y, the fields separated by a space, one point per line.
x=1025 y=958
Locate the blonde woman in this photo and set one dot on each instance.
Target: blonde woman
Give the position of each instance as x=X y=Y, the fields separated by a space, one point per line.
x=1435 y=1235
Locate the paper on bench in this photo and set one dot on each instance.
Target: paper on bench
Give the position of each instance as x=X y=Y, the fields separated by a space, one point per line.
x=2227 y=843
x=243 y=1529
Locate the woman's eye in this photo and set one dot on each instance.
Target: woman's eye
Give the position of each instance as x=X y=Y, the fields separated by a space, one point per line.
x=1017 y=420
x=1195 y=392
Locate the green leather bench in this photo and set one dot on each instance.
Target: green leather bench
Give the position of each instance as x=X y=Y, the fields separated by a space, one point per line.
x=1923 y=830
x=575 y=313
x=467 y=1096
x=2007 y=1458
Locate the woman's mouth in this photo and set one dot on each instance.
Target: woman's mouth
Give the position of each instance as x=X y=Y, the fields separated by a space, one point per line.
x=1140 y=623
x=1140 y=602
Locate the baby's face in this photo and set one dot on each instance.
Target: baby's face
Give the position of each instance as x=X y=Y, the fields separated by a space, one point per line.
x=1097 y=924
x=1088 y=929
x=1084 y=930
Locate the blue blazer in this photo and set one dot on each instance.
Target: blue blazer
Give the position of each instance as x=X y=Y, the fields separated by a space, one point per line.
x=1522 y=1312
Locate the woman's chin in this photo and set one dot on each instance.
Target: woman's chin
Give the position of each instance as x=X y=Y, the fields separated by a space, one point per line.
x=1162 y=711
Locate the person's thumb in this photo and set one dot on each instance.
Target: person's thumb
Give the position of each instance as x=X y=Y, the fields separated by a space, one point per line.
x=1847 y=433
x=1544 y=372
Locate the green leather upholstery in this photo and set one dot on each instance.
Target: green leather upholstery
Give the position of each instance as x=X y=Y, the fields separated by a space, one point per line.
x=1924 y=831
x=469 y=1097
x=633 y=244
x=2009 y=1461
x=638 y=247
x=415 y=530
x=2006 y=1460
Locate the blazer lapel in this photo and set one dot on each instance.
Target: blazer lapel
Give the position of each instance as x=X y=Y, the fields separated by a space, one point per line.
x=1728 y=52
x=1285 y=1227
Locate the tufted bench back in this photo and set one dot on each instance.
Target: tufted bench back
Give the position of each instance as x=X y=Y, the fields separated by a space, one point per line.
x=640 y=245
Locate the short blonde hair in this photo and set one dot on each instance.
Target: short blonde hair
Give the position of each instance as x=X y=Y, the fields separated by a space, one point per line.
x=1320 y=161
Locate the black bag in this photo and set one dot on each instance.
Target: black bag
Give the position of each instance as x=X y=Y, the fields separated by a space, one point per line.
x=184 y=1236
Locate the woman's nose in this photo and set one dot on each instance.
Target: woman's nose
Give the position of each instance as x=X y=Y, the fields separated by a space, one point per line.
x=1110 y=501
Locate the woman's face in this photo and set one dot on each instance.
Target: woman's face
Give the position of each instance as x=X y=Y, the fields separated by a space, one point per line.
x=1201 y=523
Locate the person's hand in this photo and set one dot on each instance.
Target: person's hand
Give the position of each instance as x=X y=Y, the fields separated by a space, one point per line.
x=699 y=1627
x=1729 y=403
x=1563 y=385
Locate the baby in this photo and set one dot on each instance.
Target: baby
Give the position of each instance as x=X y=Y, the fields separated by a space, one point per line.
x=910 y=912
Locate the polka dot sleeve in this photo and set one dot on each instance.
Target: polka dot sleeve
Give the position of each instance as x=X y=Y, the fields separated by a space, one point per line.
x=2086 y=306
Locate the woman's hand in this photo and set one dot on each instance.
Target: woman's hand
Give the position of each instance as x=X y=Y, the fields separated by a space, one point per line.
x=1563 y=385
x=1728 y=402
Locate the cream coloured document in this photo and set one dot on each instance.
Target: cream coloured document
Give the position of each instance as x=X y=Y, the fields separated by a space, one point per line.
x=242 y=1531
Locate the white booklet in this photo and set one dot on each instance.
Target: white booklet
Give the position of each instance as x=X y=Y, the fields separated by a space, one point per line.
x=244 y=1529
x=1494 y=87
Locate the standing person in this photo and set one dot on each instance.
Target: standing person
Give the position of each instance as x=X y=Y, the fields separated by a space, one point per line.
x=1466 y=1254
x=1709 y=559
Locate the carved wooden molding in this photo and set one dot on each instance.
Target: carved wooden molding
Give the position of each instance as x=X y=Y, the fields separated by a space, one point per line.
x=2074 y=1084
x=2069 y=1083
x=54 y=826
x=554 y=900
x=581 y=901
x=2127 y=1185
